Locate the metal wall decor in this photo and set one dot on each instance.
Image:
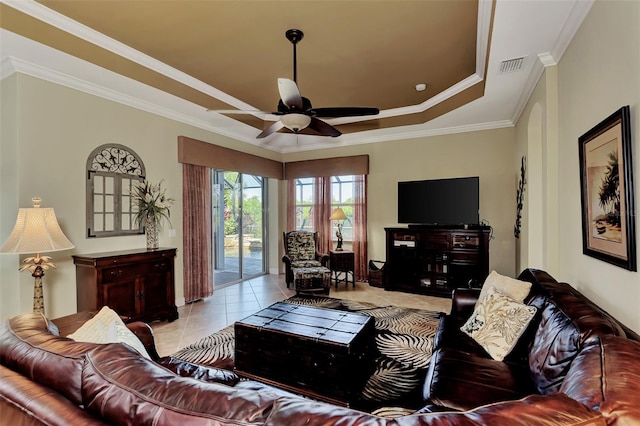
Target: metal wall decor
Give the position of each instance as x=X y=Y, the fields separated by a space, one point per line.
x=520 y=196
x=112 y=172
x=606 y=180
x=116 y=158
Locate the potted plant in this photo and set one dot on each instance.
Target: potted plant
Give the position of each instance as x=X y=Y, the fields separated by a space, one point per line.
x=153 y=206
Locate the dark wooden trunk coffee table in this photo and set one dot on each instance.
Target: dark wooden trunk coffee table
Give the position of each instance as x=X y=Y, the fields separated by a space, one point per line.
x=322 y=353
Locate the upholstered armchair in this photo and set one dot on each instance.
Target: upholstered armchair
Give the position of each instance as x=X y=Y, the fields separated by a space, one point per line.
x=301 y=251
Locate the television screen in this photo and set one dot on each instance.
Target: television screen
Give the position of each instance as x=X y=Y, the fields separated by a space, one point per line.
x=444 y=202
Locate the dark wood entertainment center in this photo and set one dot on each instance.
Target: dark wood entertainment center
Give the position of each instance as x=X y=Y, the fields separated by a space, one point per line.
x=434 y=260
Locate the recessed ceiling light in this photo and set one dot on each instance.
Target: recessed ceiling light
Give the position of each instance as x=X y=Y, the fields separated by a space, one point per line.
x=420 y=87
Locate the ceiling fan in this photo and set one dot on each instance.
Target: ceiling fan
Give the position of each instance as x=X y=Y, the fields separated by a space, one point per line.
x=296 y=112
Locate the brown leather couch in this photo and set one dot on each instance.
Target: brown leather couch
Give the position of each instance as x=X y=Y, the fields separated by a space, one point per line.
x=589 y=376
x=568 y=333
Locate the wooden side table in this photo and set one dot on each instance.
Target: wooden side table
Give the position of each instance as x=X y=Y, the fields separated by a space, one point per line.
x=342 y=262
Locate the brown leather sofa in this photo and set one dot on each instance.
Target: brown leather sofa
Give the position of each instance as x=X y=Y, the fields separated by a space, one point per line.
x=589 y=376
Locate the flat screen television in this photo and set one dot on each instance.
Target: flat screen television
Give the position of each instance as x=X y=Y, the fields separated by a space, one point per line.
x=444 y=202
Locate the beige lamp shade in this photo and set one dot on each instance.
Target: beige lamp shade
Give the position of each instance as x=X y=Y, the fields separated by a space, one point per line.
x=295 y=122
x=36 y=231
x=338 y=214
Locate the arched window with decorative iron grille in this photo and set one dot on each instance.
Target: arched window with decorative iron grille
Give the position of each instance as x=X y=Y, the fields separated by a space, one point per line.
x=112 y=172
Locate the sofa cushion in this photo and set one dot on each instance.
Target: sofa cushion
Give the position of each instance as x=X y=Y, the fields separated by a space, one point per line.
x=463 y=381
x=122 y=387
x=200 y=372
x=306 y=264
x=29 y=346
x=22 y=399
x=606 y=377
x=568 y=322
x=515 y=289
x=107 y=327
x=498 y=322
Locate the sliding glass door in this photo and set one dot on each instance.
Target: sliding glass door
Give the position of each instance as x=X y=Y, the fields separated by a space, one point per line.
x=239 y=240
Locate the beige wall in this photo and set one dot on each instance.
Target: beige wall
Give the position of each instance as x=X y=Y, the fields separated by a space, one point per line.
x=536 y=139
x=596 y=76
x=488 y=154
x=54 y=129
x=9 y=297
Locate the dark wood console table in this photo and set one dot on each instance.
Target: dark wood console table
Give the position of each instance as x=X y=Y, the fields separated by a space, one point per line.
x=435 y=260
x=137 y=284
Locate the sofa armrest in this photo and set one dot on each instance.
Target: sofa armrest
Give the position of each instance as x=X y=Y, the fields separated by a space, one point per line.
x=287 y=260
x=144 y=332
x=463 y=301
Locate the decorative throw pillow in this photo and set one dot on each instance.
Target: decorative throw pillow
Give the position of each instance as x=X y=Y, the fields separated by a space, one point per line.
x=498 y=322
x=515 y=289
x=107 y=327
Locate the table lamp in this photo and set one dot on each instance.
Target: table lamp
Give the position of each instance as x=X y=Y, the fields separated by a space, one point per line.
x=36 y=231
x=338 y=214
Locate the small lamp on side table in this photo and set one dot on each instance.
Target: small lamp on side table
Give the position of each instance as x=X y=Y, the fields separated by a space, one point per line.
x=36 y=230
x=338 y=214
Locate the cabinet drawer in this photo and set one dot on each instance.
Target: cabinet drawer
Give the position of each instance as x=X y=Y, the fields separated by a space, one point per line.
x=434 y=242
x=123 y=272
x=464 y=257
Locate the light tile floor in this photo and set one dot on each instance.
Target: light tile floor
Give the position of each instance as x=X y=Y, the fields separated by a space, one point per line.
x=227 y=305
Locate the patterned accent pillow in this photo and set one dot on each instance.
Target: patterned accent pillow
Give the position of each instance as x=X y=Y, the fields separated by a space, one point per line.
x=515 y=289
x=107 y=327
x=498 y=322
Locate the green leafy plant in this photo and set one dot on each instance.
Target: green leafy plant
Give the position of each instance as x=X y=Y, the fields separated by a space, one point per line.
x=151 y=201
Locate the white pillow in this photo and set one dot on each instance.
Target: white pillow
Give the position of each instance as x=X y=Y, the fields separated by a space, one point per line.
x=498 y=322
x=515 y=289
x=107 y=327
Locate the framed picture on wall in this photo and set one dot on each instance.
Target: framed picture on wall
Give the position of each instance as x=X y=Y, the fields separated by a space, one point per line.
x=606 y=181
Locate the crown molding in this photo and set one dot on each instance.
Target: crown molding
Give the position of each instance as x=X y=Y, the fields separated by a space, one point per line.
x=576 y=16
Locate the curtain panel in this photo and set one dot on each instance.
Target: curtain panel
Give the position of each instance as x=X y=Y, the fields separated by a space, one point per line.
x=196 y=204
x=321 y=212
x=360 y=242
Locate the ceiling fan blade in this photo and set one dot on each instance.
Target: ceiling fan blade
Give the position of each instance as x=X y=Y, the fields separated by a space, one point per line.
x=271 y=129
x=323 y=128
x=289 y=94
x=336 y=112
x=263 y=115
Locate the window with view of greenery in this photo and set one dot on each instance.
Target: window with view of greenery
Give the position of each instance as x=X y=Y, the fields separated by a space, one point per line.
x=342 y=190
x=304 y=203
x=342 y=195
x=112 y=172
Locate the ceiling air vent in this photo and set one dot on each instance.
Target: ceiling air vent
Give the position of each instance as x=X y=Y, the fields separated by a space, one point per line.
x=511 y=65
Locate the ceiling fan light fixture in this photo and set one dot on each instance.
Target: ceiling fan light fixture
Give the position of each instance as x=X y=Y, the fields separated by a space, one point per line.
x=295 y=122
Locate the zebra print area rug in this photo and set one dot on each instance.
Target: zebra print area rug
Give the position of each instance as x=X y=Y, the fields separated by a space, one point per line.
x=404 y=340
